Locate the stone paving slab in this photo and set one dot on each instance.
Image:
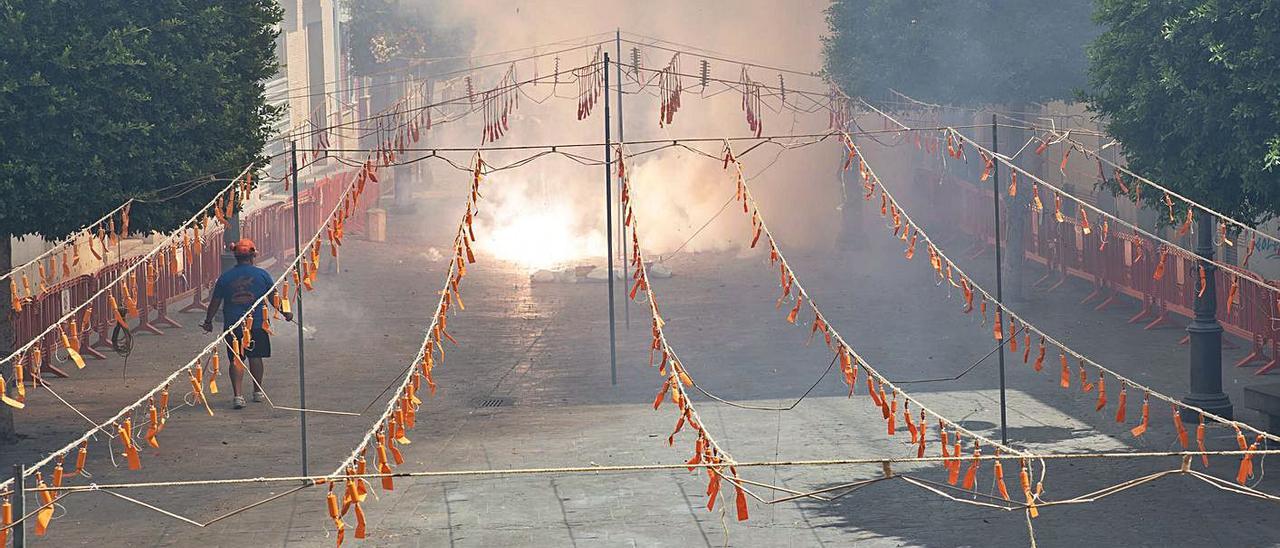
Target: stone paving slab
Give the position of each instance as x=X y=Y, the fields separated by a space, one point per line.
x=544 y=349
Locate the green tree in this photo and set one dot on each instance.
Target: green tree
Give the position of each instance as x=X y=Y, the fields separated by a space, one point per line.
x=103 y=100
x=387 y=35
x=959 y=52
x=1191 y=89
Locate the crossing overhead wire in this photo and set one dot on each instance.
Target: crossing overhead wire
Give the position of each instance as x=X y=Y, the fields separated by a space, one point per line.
x=396 y=109
x=752 y=407
x=694 y=51
x=909 y=101
x=21 y=351
x=598 y=469
x=910 y=223
x=421 y=62
x=1167 y=245
x=465 y=98
x=679 y=369
x=972 y=366
x=843 y=347
x=781 y=140
x=69 y=240
x=724 y=207
x=1065 y=136
x=211 y=346
x=430 y=334
x=938 y=488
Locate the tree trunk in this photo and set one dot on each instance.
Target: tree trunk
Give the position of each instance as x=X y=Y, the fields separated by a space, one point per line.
x=7 y=432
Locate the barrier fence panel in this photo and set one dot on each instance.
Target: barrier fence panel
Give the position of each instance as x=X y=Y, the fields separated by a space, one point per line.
x=1125 y=266
x=182 y=275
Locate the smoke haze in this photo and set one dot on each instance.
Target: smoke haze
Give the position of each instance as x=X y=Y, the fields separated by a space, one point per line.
x=551 y=211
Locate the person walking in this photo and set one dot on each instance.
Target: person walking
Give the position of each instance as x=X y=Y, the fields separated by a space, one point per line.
x=236 y=292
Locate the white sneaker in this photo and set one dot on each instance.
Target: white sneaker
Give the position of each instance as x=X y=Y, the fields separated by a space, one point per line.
x=259 y=396
x=237 y=402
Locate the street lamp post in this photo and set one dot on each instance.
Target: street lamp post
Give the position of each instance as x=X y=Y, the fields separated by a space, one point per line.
x=1206 y=335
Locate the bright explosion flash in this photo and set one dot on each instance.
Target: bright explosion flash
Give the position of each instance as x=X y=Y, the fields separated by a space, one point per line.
x=536 y=233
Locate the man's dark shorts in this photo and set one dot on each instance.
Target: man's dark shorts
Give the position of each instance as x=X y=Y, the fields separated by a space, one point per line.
x=259 y=344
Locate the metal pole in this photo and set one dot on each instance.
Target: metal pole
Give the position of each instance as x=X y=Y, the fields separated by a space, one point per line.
x=608 y=226
x=19 y=506
x=622 y=215
x=230 y=235
x=995 y=194
x=297 y=315
x=1206 y=335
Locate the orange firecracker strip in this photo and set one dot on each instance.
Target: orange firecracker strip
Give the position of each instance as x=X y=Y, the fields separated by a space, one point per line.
x=999 y=473
x=1182 y=430
x=1120 y=408
x=45 y=514
x=1141 y=428
x=1102 y=393
x=1204 y=459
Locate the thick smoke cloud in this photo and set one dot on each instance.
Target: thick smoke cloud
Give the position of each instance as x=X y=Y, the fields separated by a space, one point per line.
x=556 y=205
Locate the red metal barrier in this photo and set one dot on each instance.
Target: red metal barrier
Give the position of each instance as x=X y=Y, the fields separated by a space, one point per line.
x=1125 y=266
x=270 y=227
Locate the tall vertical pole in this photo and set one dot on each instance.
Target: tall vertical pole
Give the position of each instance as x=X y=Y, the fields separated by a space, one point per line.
x=297 y=316
x=19 y=506
x=622 y=215
x=608 y=226
x=1206 y=335
x=995 y=193
x=230 y=235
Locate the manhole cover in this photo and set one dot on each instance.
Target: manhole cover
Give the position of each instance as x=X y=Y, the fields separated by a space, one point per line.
x=493 y=402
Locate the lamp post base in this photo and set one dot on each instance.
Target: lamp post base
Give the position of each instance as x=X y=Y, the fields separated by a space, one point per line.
x=1218 y=404
x=1205 y=347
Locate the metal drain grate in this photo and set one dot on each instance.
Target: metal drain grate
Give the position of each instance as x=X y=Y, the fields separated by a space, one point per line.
x=493 y=402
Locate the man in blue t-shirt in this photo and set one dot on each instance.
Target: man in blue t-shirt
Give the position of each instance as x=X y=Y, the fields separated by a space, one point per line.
x=240 y=291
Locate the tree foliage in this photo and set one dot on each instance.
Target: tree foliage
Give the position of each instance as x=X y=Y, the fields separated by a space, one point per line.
x=959 y=52
x=389 y=34
x=1191 y=89
x=105 y=100
x=102 y=100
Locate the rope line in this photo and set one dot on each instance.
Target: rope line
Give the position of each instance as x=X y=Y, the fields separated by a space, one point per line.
x=219 y=340
x=68 y=240
x=173 y=237
x=1072 y=143
x=596 y=468
x=842 y=344
x=1168 y=245
x=1030 y=326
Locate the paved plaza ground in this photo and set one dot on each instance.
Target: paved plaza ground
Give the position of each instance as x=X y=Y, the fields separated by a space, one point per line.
x=543 y=350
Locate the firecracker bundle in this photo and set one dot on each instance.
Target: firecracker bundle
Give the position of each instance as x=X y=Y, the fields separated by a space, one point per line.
x=348 y=487
x=201 y=372
x=1087 y=377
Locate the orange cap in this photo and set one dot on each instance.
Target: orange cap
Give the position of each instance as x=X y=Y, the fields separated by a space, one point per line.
x=243 y=248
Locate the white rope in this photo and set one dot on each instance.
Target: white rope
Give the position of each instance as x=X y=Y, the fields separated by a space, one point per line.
x=1031 y=327
x=836 y=335
x=127 y=271
x=70 y=239
x=164 y=384
x=1221 y=216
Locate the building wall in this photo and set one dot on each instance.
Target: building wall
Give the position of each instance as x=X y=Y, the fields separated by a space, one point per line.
x=312 y=71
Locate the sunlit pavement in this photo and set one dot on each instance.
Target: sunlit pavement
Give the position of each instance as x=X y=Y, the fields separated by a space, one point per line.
x=542 y=351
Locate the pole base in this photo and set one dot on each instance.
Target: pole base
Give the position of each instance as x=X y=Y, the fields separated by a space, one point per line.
x=1218 y=404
